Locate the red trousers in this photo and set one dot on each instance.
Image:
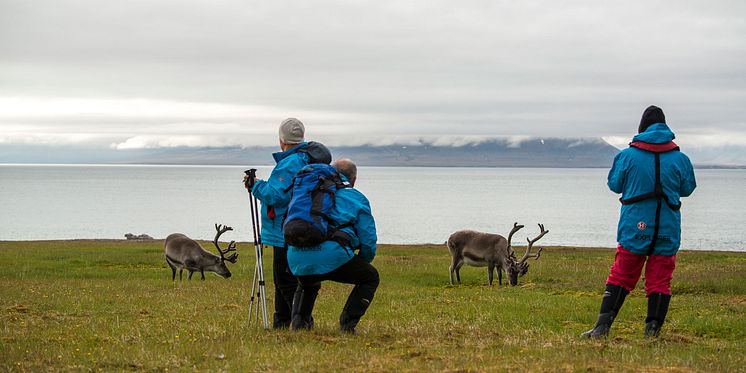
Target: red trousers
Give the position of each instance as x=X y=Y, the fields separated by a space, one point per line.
x=628 y=266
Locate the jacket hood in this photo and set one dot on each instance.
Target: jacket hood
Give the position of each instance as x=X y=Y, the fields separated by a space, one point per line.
x=657 y=133
x=282 y=155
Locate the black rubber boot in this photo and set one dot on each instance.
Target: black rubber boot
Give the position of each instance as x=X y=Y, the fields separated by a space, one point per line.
x=602 y=327
x=610 y=306
x=657 y=310
x=303 y=303
x=347 y=323
x=354 y=309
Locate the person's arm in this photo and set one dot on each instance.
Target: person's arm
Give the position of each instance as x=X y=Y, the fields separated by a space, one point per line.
x=688 y=182
x=616 y=175
x=274 y=191
x=366 y=231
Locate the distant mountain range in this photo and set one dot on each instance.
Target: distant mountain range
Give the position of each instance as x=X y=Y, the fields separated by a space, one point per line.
x=535 y=152
x=550 y=152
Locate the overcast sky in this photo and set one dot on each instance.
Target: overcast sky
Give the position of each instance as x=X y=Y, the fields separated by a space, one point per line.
x=147 y=73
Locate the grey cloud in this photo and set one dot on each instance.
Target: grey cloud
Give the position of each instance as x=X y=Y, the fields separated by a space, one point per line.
x=402 y=68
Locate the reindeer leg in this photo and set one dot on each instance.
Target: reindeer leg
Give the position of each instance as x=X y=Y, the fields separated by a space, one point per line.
x=458 y=271
x=500 y=276
x=490 y=271
x=173 y=270
x=202 y=271
x=181 y=270
x=452 y=269
x=190 y=275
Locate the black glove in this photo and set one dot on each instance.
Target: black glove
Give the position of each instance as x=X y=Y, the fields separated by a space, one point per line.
x=250 y=178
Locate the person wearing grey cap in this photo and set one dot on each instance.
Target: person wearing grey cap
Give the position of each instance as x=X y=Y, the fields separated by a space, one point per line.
x=274 y=195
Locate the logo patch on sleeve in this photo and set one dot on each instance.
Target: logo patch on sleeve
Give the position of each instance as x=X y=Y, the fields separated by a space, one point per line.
x=641 y=225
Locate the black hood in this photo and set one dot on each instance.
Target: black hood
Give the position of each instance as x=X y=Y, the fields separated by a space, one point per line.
x=317 y=152
x=651 y=115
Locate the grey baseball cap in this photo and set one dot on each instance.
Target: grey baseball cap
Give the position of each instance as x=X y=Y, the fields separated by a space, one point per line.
x=292 y=131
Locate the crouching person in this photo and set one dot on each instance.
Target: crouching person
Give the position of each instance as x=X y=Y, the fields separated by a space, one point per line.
x=335 y=259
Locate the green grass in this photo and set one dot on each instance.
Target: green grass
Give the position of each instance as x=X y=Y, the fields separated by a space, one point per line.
x=111 y=306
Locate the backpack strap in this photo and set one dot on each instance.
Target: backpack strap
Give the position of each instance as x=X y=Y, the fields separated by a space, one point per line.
x=660 y=196
x=342 y=238
x=322 y=187
x=657 y=193
x=342 y=184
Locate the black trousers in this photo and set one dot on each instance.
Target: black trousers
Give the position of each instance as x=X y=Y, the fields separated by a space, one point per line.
x=285 y=286
x=358 y=272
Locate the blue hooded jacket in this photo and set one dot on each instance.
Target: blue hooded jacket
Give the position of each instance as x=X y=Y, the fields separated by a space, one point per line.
x=351 y=206
x=273 y=195
x=633 y=174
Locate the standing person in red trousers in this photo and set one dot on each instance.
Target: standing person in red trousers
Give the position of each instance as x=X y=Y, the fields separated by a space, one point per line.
x=652 y=174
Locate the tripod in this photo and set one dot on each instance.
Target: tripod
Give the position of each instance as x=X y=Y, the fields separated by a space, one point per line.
x=257 y=286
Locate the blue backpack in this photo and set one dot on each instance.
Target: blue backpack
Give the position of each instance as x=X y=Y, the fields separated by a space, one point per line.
x=308 y=221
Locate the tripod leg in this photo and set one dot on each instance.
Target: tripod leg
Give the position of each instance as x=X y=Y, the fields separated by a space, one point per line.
x=258 y=304
x=262 y=290
x=259 y=282
x=253 y=289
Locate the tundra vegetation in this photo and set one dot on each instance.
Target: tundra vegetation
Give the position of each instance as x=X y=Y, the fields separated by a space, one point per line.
x=111 y=306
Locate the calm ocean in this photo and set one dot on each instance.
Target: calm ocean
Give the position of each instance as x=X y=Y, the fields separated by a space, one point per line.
x=411 y=205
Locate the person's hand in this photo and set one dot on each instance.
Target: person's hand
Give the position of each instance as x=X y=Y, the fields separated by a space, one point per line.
x=248 y=182
x=249 y=179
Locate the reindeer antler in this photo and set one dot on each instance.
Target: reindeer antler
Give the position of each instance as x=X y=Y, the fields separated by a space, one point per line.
x=531 y=244
x=231 y=246
x=516 y=228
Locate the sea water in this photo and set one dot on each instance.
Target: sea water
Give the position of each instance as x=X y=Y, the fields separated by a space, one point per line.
x=410 y=204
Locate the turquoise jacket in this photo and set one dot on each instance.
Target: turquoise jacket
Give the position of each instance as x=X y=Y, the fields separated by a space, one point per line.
x=351 y=206
x=633 y=174
x=274 y=195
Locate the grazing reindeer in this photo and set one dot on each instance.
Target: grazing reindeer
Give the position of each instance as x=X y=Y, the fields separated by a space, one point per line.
x=184 y=252
x=480 y=249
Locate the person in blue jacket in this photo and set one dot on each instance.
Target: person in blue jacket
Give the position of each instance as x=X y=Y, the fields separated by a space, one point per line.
x=336 y=260
x=275 y=197
x=652 y=175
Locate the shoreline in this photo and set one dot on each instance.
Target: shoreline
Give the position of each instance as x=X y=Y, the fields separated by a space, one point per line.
x=560 y=248
x=231 y=165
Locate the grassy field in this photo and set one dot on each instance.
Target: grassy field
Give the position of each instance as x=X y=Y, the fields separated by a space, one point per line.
x=111 y=306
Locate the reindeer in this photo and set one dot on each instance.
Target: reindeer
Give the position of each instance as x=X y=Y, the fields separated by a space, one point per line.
x=489 y=250
x=183 y=252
